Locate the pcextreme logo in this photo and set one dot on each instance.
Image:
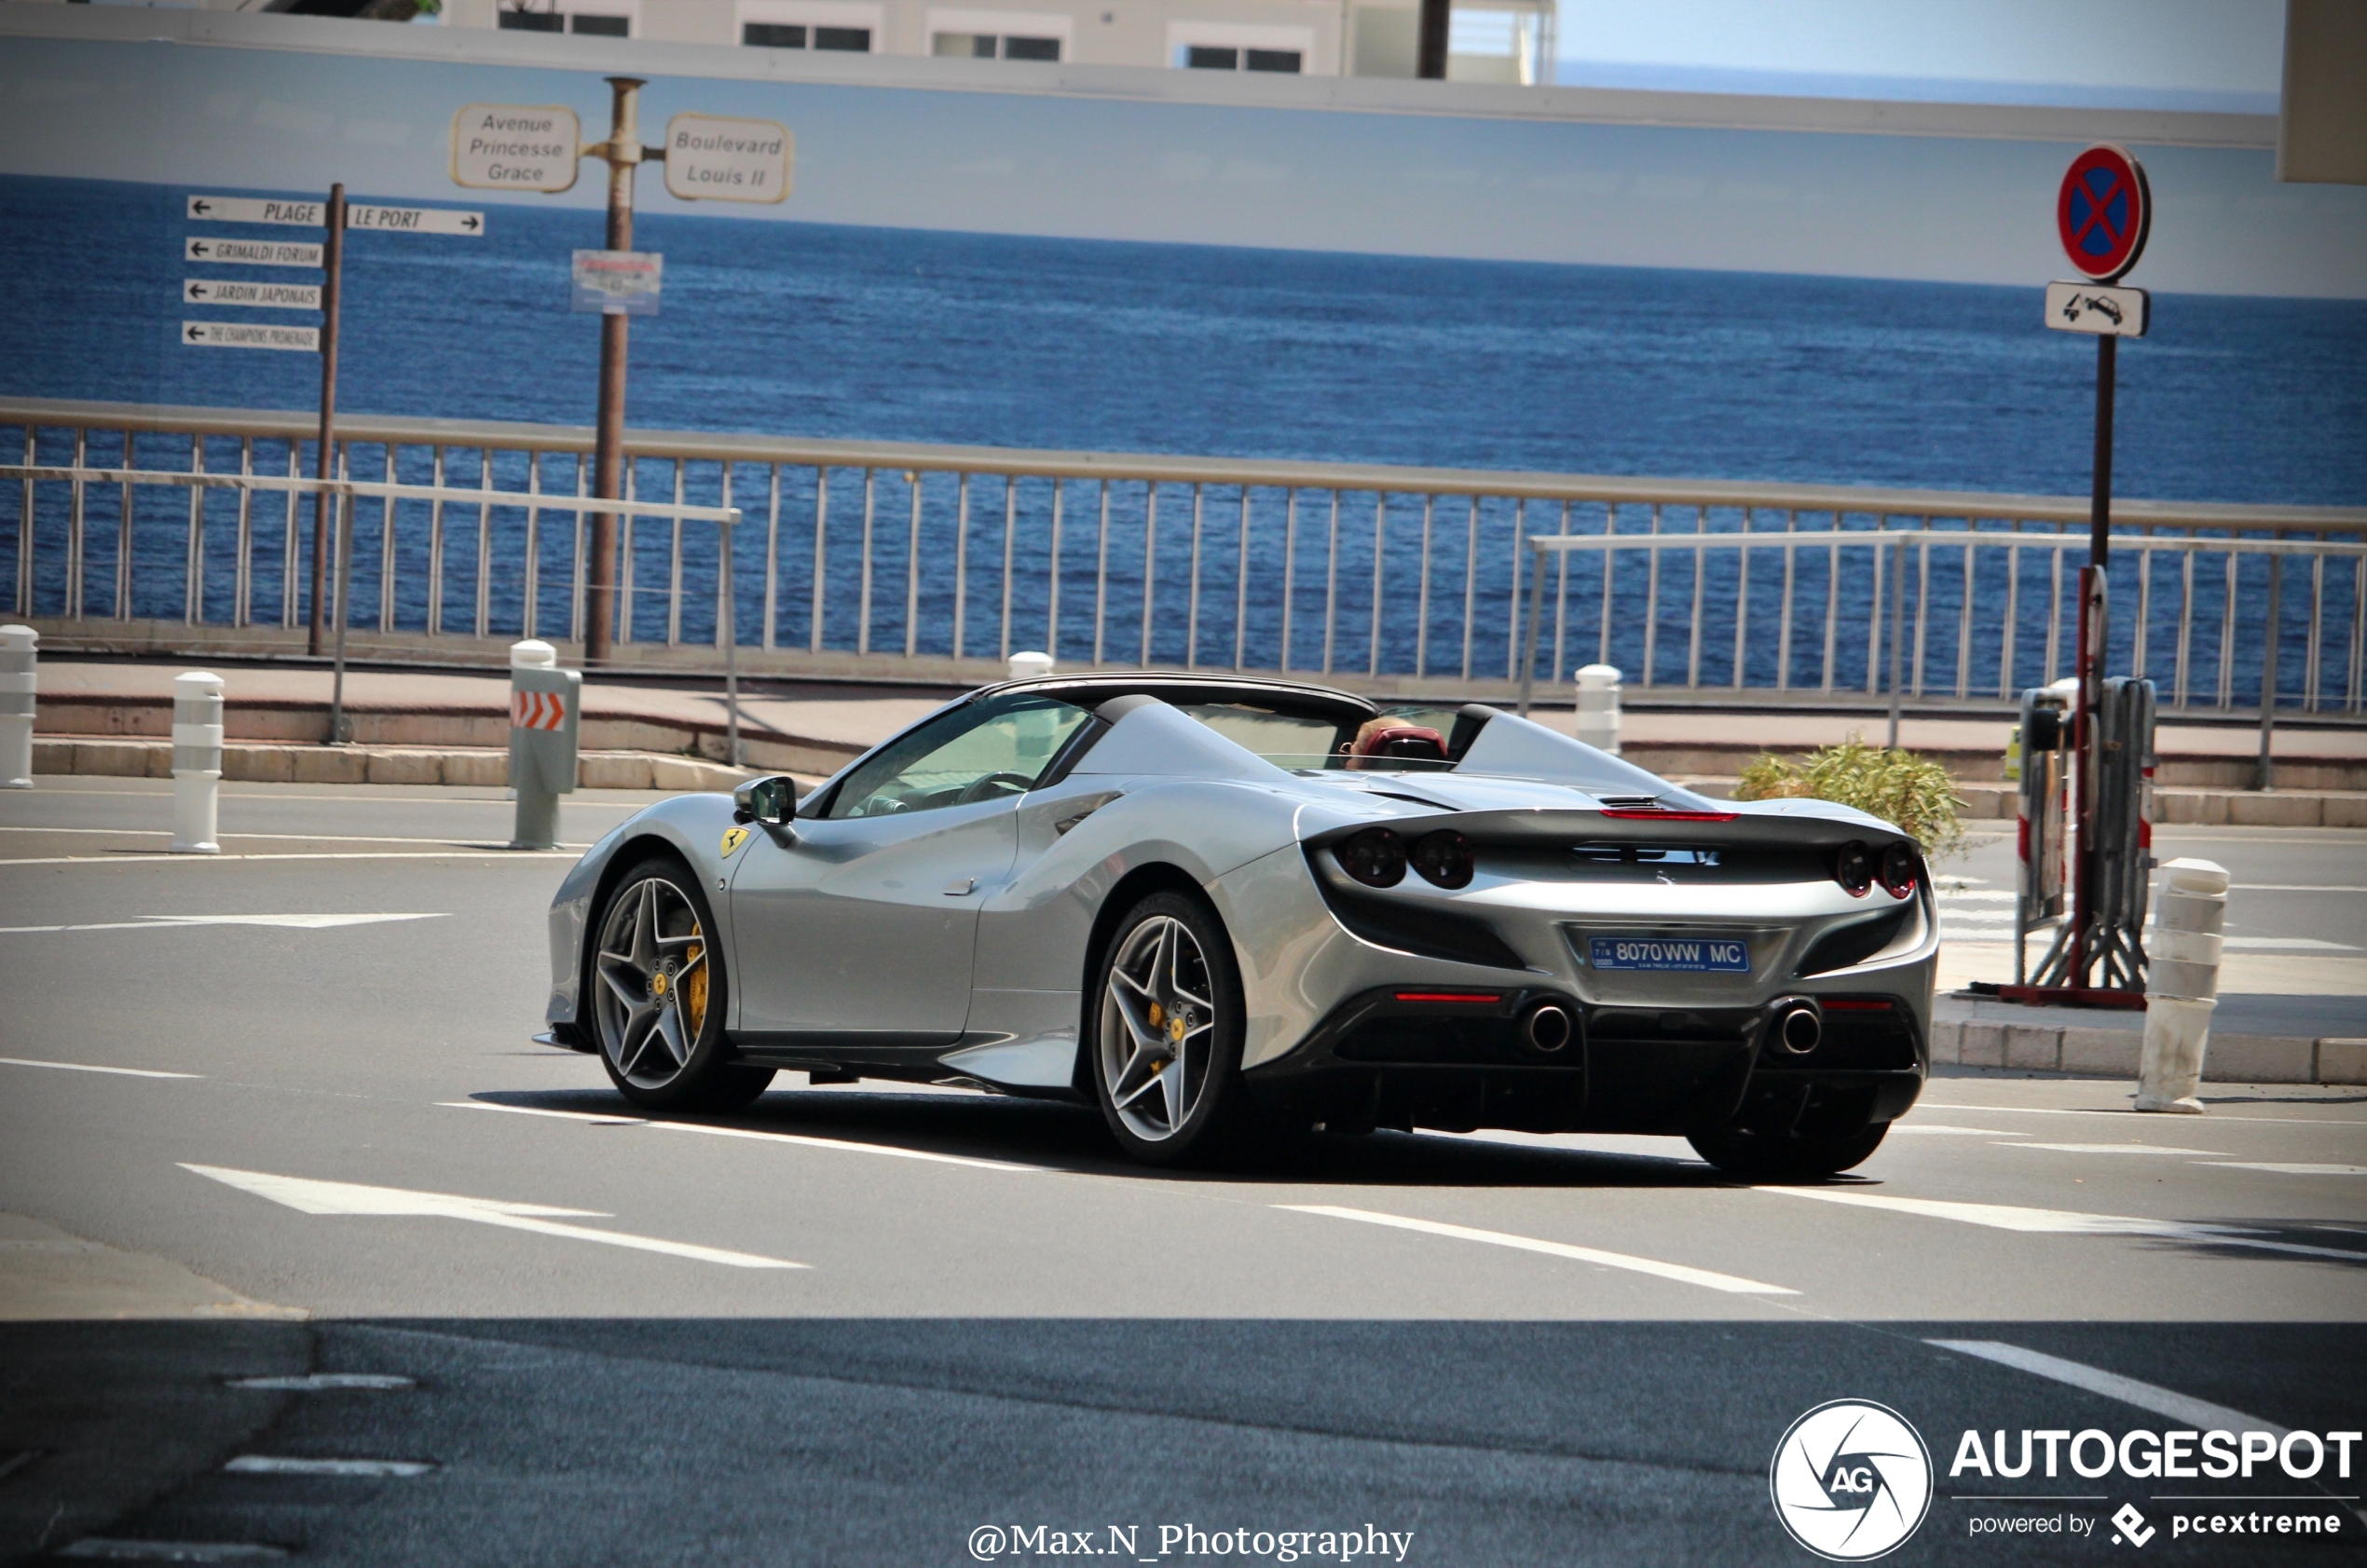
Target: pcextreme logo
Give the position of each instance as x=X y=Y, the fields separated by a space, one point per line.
x=1851 y=1481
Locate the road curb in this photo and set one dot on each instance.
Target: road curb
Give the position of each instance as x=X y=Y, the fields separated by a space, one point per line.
x=255 y=762
x=2114 y=1053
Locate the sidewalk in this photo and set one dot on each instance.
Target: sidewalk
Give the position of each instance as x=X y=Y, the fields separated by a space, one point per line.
x=452 y=728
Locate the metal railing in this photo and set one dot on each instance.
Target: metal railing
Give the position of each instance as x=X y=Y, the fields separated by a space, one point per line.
x=938 y=562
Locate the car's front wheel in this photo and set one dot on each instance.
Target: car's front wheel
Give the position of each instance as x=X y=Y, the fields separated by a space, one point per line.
x=1788 y=1156
x=1167 y=1045
x=658 y=996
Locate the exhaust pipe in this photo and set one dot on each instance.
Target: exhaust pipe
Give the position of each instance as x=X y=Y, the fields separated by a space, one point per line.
x=1798 y=1025
x=1547 y=1028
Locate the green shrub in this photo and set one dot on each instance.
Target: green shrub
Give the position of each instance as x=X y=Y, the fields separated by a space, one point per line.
x=1898 y=786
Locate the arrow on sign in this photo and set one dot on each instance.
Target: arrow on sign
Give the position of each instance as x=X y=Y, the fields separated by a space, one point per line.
x=194 y=332
x=199 y=206
x=197 y=247
x=197 y=291
x=345 y=1197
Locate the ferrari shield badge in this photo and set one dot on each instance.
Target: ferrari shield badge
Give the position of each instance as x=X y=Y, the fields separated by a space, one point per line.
x=733 y=838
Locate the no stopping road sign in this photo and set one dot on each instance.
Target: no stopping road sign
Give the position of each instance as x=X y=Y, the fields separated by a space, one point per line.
x=2103 y=212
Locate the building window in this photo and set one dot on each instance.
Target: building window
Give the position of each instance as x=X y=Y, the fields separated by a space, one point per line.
x=1218 y=57
x=597 y=24
x=794 y=35
x=993 y=45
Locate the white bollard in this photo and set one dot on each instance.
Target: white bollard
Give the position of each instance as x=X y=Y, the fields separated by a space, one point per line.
x=1030 y=666
x=197 y=761
x=1598 y=707
x=20 y=676
x=2182 y=984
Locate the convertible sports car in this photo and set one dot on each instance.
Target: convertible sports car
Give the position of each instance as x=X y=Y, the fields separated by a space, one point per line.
x=1219 y=907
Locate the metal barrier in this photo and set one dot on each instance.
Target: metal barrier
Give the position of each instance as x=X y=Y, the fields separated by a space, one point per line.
x=938 y=563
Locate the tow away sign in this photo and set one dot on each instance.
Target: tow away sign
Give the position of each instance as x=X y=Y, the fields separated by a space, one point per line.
x=261 y=295
x=2092 y=308
x=246 y=335
x=709 y=158
x=250 y=252
x=315 y=214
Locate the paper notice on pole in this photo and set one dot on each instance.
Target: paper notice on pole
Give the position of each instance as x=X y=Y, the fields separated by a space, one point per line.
x=618 y=282
x=250 y=252
x=517 y=147
x=712 y=158
x=248 y=334
x=253 y=210
x=260 y=296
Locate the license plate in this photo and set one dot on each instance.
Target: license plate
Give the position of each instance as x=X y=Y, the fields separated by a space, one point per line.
x=1701 y=955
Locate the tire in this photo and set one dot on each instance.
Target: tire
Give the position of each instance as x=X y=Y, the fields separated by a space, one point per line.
x=658 y=991
x=1165 y=1022
x=1780 y=1157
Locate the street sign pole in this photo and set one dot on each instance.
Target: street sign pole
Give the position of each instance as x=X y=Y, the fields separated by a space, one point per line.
x=624 y=152
x=324 y=466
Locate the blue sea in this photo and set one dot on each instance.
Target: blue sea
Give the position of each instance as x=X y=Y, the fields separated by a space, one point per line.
x=786 y=328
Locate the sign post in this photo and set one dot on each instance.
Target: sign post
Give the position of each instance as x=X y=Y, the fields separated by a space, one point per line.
x=333 y=216
x=2103 y=212
x=708 y=159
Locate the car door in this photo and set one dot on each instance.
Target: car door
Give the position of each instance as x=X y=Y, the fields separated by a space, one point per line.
x=859 y=924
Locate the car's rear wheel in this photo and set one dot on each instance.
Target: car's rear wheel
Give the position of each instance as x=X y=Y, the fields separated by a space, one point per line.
x=1788 y=1156
x=658 y=996
x=1167 y=1038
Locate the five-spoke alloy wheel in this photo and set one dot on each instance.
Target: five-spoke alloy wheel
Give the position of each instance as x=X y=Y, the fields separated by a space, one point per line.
x=658 y=996
x=1169 y=1042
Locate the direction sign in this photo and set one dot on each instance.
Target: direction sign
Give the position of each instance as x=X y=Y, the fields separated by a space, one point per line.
x=2092 y=308
x=260 y=296
x=618 y=282
x=2103 y=212
x=246 y=334
x=250 y=252
x=252 y=210
x=415 y=220
x=712 y=158
x=517 y=147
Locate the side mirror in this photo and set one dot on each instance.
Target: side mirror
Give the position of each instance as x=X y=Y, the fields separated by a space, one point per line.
x=770 y=800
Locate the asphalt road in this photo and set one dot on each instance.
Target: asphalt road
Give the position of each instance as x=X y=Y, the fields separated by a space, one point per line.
x=855 y=1326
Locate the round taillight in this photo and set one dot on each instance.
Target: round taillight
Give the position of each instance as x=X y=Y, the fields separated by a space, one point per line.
x=1900 y=870
x=1853 y=868
x=1375 y=858
x=1444 y=858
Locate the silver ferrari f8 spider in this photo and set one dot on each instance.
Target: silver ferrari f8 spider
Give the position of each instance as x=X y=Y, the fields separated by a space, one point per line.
x=1223 y=909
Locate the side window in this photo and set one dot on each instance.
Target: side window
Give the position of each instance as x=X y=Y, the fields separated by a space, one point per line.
x=981 y=751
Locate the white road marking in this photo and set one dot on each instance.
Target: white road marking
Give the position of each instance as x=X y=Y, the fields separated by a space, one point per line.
x=169 y=923
x=2110 y=1149
x=312 y=1382
x=2290 y=887
x=2057 y=1221
x=2074 y=1110
x=345 y=1197
x=1731 y=1284
x=2286 y=1169
x=1936 y=1128
x=2184 y=1410
x=843 y=1145
x=86 y=1066
x=161 y=858
x=119 y=1550
x=275 y=1464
